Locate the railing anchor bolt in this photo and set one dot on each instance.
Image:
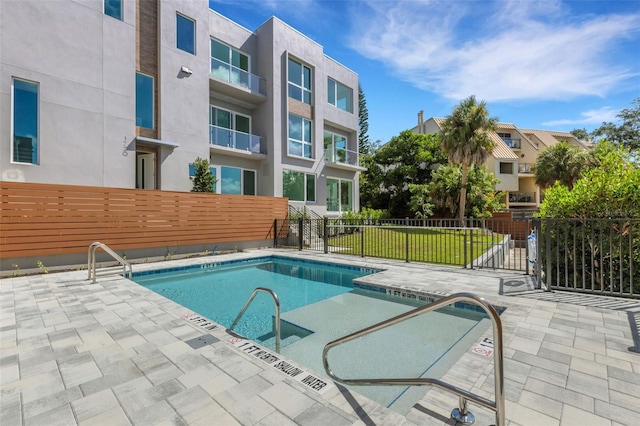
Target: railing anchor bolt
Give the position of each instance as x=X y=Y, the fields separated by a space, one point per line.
x=462 y=415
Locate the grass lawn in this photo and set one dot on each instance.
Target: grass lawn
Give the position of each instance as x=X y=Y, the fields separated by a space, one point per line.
x=424 y=245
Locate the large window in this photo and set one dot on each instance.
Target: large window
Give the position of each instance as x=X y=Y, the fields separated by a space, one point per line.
x=298 y=186
x=229 y=64
x=339 y=195
x=228 y=128
x=25 y=121
x=300 y=137
x=237 y=181
x=299 y=81
x=144 y=100
x=340 y=95
x=113 y=8
x=185 y=34
x=506 y=168
x=335 y=147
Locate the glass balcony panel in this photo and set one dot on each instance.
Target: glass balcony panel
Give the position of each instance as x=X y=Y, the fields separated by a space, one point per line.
x=525 y=168
x=237 y=140
x=225 y=72
x=513 y=143
x=522 y=197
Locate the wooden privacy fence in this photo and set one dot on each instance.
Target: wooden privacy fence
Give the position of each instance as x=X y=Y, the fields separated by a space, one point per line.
x=42 y=219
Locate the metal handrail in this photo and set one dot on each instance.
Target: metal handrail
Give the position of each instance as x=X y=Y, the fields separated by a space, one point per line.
x=276 y=301
x=91 y=260
x=461 y=414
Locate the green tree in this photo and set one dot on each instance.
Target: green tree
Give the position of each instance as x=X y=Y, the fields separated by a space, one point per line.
x=481 y=199
x=608 y=187
x=364 y=145
x=466 y=140
x=560 y=163
x=581 y=134
x=627 y=134
x=203 y=180
x=406 y=159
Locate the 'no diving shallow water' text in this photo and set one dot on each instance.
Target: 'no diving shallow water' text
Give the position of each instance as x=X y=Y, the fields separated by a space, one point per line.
x=290 y=370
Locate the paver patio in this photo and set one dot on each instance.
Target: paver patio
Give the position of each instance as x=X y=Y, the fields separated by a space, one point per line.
x=114 y=353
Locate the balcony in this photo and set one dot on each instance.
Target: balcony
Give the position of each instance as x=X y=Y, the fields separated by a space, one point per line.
x=342 y=158
x=522 y=197
x=235 y=85
x=513 y=143
x=525 y=168
x=236 y=143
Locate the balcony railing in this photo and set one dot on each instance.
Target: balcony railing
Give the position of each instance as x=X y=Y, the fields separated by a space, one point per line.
x=233 y=139
x=525 y=168
x=513 y=143
x=522 y=197
x=334 y=154
x=225 y=72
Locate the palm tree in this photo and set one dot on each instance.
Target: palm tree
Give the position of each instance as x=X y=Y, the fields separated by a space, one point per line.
x=561 y=162
x=466 y=140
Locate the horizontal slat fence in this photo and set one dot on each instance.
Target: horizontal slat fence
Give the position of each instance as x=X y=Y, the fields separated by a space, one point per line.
x=42 y=219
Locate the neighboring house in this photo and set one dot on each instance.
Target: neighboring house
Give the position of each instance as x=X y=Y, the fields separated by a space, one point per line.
x=128 y=94
x=513 y=157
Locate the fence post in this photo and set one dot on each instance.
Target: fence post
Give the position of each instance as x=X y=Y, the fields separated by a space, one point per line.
x=406 y=239
x=275 y=233
x=547 y=241
x=464 y=248
x=526 y=246
x=300 y=232
x=362 y=237
x=325 y=234
x=471 y=245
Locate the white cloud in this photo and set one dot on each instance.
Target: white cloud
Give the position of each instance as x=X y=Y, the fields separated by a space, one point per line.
x=593 y=116
x=499 y=51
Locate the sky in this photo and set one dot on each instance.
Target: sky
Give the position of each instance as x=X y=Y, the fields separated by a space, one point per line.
x=539 y=64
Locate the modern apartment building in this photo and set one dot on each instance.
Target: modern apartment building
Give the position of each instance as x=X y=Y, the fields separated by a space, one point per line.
x=513 y=157
x=128 y=93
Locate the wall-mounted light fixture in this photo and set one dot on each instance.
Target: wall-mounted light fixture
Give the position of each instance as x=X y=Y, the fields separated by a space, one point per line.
x=186 y=70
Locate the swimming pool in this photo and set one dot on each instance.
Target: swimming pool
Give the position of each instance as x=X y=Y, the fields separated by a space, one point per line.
x=319 y=303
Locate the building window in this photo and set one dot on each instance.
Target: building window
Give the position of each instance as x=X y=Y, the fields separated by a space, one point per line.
x=506 y=168
x=113 y=8
x=300 y=137
x=340 y=95
x=144 y=100
x=339 y=195
x=229 y=64
x=237 y=181
x=298 y=186
x=335 y=148
x=25 y=121
x=231 y=129
x=186 y=34
x=299 y=82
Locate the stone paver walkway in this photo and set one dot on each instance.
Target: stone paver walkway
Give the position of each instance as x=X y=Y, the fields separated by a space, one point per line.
x=112 y=353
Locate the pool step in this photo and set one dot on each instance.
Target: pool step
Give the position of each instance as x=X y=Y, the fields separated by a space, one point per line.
x=289 y=333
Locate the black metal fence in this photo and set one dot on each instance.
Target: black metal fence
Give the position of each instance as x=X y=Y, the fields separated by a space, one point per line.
x=599 y=256
x=488 y=243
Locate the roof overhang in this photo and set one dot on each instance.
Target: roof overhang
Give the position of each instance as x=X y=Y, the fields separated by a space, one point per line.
x=156 y=142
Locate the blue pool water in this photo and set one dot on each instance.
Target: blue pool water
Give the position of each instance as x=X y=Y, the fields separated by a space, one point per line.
x=220 y=291
x=320 y=303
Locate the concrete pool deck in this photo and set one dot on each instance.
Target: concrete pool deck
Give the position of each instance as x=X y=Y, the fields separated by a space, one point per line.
x=112 y=353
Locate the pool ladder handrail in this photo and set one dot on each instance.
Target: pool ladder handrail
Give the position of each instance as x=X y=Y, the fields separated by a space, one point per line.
x=127 y=270
x=276 y=301
x=461 y=414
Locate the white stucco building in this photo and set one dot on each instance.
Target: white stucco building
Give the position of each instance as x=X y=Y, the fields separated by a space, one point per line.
x=128 y=93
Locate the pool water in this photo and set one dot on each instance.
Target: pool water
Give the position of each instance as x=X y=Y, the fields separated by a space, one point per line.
x=219 y=293
x=320 y=303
